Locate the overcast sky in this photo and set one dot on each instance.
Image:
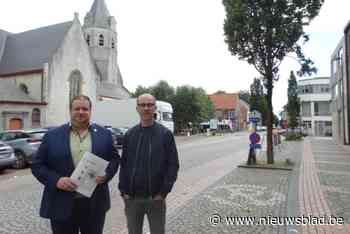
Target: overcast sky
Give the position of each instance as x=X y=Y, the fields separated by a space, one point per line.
x=180 y=41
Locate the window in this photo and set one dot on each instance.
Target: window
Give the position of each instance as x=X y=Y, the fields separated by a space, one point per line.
x=36 y=117
x=307 y=124
x=7 y=136
x=113 y=45
x=340 y=88
x=75 y=81
x=21 y=135
x=231 y=115
x=306 y=89
x=306 y=109
x=322 y=108
x=24 y=88
x=322 y=88
x=335 y=91
x=101 y=40
x=167 y=116
x=334 y=66
x=340 y=56
x=88 y=39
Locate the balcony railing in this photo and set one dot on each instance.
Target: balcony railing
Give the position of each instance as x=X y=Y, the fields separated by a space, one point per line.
x=327 y=113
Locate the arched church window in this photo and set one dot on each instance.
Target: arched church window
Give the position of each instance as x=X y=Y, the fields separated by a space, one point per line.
x=113 y=45
x=36 y=117
x=24 y=88
x=75 y=81
x=88 y=39
x=101 y=40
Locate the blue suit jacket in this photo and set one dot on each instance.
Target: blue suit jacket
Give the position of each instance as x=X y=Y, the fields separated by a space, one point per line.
x=54 y=160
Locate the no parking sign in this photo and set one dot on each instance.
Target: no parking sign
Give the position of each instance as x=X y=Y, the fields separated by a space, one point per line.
x=255 y=140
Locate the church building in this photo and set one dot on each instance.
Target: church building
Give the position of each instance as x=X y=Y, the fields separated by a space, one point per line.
x=42 y=69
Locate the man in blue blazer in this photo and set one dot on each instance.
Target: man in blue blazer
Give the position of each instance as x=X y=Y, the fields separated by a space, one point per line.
x=58 y=155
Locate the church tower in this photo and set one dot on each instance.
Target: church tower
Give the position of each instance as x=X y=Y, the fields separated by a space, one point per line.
x=101 y=36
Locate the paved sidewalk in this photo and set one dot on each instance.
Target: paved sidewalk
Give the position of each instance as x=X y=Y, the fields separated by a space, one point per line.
x=244 y=200
x=220 y=198
x=324 y=187
x=251 y=195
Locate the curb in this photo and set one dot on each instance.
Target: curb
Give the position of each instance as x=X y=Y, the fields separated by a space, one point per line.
x=268 y=168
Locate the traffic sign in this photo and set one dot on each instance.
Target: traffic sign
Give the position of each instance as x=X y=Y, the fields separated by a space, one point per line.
x=254 y=119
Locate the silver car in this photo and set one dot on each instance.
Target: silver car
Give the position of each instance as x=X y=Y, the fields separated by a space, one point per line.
x=7 y=156
x=23 y=144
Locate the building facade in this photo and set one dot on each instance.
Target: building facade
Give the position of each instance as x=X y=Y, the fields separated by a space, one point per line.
x=230 y=108
x=42 y=69
x=340 y=86
x=315 y=102
x=339 y=92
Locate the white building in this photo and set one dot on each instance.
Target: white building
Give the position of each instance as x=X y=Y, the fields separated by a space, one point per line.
x=315 y=99
x=340 y=87
x=42 y=69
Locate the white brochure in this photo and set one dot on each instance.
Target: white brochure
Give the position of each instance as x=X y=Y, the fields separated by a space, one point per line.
x=85 y=173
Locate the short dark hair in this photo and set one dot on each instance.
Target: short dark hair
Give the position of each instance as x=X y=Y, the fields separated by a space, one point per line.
x=79 y=97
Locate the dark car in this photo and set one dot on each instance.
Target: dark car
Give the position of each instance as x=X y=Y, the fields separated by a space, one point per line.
x=7 y=156
x=24 y=145
x=118 y=135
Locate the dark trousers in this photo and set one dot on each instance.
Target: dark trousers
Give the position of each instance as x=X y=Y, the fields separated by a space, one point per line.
x=137 y=208
x=83 y=219
x=251 y=157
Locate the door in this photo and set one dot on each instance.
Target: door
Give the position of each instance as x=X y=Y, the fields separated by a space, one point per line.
x=16 y=124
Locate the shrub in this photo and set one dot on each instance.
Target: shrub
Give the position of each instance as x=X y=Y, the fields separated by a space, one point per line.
x=294 y=137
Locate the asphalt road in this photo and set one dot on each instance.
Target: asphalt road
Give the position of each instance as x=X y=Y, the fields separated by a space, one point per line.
x=203 y=160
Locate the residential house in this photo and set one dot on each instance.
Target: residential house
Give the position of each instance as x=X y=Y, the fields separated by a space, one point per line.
x=229 y=108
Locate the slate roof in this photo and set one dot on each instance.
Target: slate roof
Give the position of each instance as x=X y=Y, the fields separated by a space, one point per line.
x=10 y=92
x=113 y=91
x=99 y=14
x=29 y=50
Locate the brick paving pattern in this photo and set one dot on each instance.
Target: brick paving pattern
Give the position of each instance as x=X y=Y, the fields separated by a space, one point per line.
x=244 y=193
x=319 y=189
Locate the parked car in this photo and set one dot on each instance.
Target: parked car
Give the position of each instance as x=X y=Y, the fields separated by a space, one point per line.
x=7 y=156
x=37 y=133
x=261 y=128
x=118 y=135
x=23 y=144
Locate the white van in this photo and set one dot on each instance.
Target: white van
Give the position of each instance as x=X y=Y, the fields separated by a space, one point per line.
x=164 y=115
x=122 y=113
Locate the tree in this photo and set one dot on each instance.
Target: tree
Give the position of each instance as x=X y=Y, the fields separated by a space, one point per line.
x=206 y=105
x=257 y=99
x=191 y=105
x=244 y=95
x=293 y=105
x=163 y=91
x=263 y=32
x=141 y=90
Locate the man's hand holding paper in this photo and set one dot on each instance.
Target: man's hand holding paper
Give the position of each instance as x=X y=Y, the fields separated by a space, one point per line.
x=89 y=173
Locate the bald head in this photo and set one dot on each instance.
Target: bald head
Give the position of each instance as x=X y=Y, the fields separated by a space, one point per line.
x=146 y=106
x=145 y=96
